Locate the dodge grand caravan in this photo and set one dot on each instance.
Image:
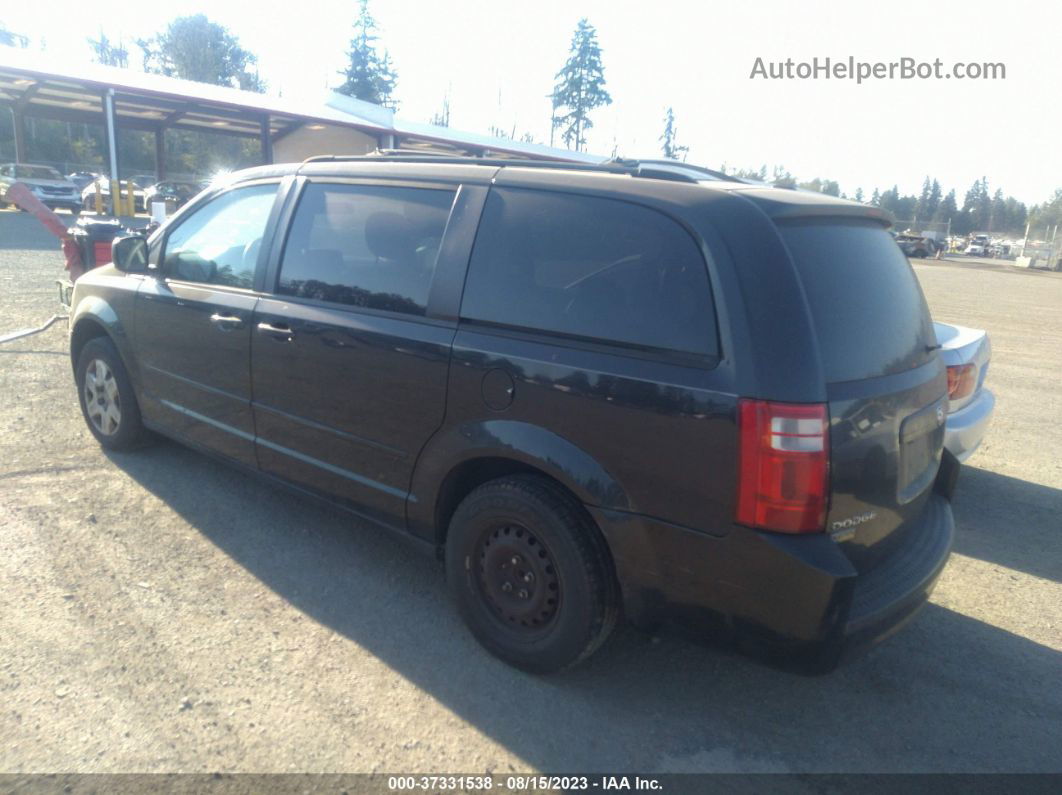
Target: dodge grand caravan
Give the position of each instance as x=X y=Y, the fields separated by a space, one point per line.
x=632 y=388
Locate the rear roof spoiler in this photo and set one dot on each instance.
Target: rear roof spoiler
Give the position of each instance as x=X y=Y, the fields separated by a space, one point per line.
x=785 y=205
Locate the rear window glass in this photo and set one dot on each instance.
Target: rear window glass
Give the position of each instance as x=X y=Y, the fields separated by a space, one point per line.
x=587 y=267
x=868 y=309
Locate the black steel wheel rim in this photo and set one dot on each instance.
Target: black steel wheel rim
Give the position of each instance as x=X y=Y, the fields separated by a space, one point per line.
x=517 y=578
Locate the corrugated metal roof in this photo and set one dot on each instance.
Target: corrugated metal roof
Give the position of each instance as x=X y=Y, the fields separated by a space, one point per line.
x=149 y=100
x=100 y=77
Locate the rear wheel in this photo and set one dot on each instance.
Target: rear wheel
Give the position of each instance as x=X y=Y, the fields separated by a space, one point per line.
x=531 y=574
x=107 y=399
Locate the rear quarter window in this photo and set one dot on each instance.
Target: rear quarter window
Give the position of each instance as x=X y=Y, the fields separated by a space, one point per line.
x=592 y=268
x=867 y=307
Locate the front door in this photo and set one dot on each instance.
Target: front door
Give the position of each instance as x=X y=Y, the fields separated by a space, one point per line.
x=349 y=371
x=193 y=323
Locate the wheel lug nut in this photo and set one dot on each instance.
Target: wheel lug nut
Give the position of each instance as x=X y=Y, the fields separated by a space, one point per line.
x=529 y=577
x=508 y=586
x=516 y=560
x=523 y=593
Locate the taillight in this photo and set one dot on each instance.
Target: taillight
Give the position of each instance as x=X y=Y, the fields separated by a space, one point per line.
x=962 y=379
x=101 y=253
x=783 y=466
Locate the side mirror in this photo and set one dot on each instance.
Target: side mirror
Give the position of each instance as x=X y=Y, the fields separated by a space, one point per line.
x=130 y=254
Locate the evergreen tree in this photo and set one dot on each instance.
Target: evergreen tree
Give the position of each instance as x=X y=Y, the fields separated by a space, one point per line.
x=923 y=200
x=928 y=201
x=858 y=195
x=1016 y=215
x=369 y=76
x=1042 y=217
x=997 y=215
x=827 y=186
x=672 y=150
x=781 y=178
x=890 y=199
x=108 y=53
x=8 y=38
x=934 y=201
x=194 y=48
x=580 y=88
x=947 y=209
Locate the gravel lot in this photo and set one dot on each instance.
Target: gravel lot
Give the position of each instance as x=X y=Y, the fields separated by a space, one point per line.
x=162 y=612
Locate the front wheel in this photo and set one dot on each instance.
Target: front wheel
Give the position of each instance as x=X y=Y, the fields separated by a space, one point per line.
x=107 y=399
x=531 y=574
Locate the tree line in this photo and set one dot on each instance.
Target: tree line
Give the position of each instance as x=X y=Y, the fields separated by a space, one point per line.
x=982 y=210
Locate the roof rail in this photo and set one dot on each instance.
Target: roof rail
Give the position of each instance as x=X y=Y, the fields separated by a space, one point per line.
x=678 y=168
x=413 y=156
x=652 y=169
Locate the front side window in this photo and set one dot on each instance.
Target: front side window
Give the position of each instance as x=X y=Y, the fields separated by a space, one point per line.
x=220 y=242
x=365 y=245
x=588 y=267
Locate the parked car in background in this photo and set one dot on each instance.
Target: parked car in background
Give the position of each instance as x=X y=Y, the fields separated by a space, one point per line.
x=83 y=178
x=88 y=194
x=170 y=190
x=916 y=246
x=978 y=246
x=47 y=184
x=674 y=395
x=967 y=353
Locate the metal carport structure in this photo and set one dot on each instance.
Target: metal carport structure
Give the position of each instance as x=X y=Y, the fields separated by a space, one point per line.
x=32 y=86
x=123 y=98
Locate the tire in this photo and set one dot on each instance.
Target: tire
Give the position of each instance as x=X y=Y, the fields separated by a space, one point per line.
x=108 y=401
x=531 y=574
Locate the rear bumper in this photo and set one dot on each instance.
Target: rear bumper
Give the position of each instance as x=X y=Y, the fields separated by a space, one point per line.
x=794 y=601
x=966 y=427
x=886 y=598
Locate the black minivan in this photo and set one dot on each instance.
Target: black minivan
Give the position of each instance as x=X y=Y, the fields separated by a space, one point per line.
x=634 y=388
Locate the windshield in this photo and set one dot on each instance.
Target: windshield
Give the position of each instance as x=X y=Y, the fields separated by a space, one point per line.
x=36 y=172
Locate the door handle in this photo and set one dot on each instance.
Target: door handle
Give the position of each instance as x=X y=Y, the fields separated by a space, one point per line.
x=226 y=322
x=280 y=332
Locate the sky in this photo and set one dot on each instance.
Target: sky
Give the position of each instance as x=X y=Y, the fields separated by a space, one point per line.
x=496 y=60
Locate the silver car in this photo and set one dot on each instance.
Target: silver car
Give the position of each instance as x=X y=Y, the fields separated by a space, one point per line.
x=47 y=184
x=966 y=352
